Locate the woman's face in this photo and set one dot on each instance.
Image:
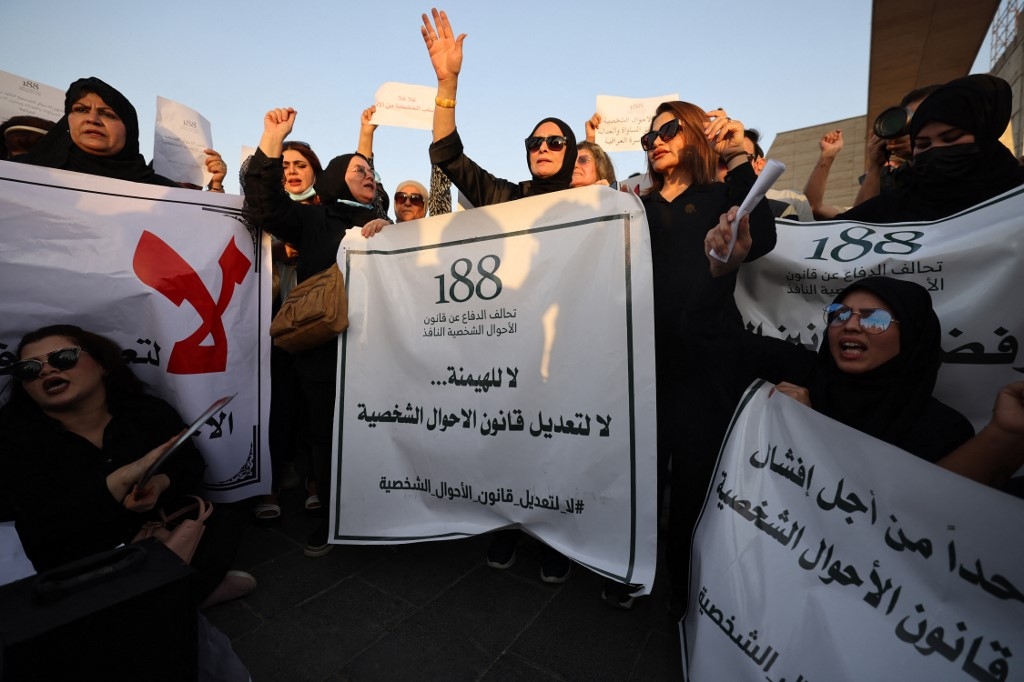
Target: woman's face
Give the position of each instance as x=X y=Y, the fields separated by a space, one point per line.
x=359 y=177
x=298 y=174
x=544 y=163
x=854 y=350
x=666 y=155
x=57 y=390
x=584 y=173
x=405 y=210
x=935 y=134
x=95 y=127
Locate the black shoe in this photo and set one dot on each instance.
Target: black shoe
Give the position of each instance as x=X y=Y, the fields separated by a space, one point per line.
x=618 y=596
x=502 y=552
x=316 y=544
x=555 y=567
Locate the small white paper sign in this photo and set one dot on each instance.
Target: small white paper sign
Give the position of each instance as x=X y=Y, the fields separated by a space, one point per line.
x=23 y=97
x=625 y=119
x=405 y=106
x=181 y=134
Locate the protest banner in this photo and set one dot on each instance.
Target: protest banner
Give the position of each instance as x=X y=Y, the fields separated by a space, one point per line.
x=969 y=262
x=822 y=553
x=172 y=275
x=498 y=372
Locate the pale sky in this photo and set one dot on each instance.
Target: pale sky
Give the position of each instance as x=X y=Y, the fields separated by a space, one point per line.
x=776 y=66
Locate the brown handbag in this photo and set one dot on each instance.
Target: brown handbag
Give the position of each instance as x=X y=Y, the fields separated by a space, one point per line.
x=179 y=531
x=315 y=312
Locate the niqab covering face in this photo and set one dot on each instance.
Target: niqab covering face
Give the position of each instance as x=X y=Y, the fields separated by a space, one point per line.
x=946 y=180
x=58 y=150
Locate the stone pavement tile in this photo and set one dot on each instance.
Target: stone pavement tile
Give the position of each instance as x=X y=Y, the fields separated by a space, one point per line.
x=287 y=581
x=661 y=659
x=317 y=638
x=579 y=637
x=417 y=572
x=459 y=635
x=511 y=668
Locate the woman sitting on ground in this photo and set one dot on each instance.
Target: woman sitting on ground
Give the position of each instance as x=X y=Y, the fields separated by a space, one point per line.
x=76 y=436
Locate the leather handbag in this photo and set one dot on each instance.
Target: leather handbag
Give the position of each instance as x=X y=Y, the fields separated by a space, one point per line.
x=179 y=531
x=315 y=312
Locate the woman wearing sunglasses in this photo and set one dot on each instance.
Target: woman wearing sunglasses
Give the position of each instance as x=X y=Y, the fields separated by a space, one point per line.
x=550 y=147
x=76 y=435
x=684 y=146
x=876 y=368
x=551 y=157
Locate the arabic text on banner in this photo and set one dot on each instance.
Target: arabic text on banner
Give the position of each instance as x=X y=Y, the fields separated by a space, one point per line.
x=498 y=370
x=825 y=554
x=172 y=275
x=970 y=263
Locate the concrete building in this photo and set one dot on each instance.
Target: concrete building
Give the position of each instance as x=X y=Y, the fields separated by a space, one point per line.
x=938 y=41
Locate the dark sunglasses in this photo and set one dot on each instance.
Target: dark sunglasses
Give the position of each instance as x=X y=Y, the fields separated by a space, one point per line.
x=414 y=199
x=30 y=368
x=665 y=132
x=556 y=143
x=872 y=320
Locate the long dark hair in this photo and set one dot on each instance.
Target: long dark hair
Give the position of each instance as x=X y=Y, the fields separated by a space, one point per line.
x=120 y=382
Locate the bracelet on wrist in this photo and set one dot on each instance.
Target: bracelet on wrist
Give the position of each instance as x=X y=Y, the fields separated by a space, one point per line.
x=444 y=102
x=219 y=188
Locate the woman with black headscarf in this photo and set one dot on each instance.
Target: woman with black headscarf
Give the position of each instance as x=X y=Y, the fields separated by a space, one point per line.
x=958 y=159
x=346 y=189
x=99 y=135
x=551 y=157
x=550 y=148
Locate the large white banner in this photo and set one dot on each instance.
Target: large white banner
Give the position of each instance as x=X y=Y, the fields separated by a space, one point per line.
x=825 y=554
x=172 y=275
x=970 y=262
x=499 y=371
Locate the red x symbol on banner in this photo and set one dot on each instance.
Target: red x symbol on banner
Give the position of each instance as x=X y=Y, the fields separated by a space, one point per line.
x=159 y=266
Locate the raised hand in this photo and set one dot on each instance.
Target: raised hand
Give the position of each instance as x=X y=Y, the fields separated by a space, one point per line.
x=444 y=48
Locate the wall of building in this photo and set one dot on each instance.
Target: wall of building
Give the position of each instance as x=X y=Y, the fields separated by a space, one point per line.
x=798 y=150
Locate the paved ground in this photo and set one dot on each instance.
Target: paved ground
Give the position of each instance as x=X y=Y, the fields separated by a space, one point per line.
x=433 y=611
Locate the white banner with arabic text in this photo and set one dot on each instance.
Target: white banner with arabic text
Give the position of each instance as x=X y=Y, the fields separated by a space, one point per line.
x=172 y=275
x=825 y=554
x=498 y=371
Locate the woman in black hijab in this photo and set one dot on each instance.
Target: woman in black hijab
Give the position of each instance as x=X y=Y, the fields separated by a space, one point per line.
x=98 y=134
x=550 y=148
x=346 y=189
x=958 y=159
x=551 y=157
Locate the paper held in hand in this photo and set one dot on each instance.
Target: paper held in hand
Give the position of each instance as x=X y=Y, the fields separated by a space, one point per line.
x=185 y=435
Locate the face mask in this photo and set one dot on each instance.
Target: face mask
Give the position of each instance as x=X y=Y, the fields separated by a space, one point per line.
x=308 y=194
x=947 y=163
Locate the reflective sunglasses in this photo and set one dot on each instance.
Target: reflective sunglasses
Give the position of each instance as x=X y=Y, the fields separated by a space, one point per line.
x=556 y=143
x=665 y=132
x=414 y=199
x=30 y=368
x=872 y=320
